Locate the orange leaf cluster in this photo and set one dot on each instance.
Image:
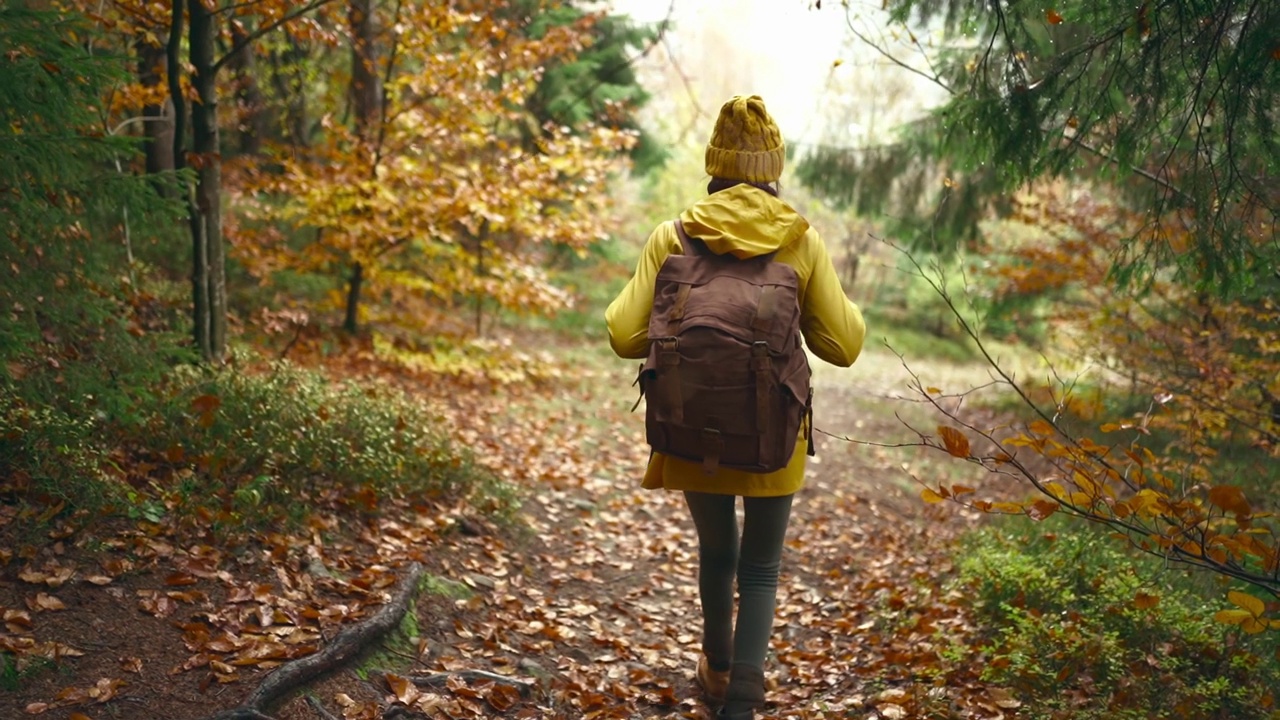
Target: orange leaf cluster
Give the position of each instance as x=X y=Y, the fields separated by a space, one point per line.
x=1210 y=368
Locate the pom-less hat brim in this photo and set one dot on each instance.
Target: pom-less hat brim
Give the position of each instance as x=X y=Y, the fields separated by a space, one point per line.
x=765 y=166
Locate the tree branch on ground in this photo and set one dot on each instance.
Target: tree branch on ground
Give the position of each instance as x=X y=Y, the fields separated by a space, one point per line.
x=347 y=645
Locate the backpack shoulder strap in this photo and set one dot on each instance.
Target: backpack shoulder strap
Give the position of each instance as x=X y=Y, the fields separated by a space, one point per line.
x=689 y=245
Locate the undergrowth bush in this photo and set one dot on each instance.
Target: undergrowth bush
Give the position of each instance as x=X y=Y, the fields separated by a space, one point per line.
x=1081 y=629
x=256 y=443
x=236 y=451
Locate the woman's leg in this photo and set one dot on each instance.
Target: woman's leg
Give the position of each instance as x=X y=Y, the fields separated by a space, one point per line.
x=713 y=516
x=759 y=561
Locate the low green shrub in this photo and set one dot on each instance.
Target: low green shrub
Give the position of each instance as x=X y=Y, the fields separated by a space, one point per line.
x=49 y=455
x=236 y=451
x=1080 y=628
x=270 y=441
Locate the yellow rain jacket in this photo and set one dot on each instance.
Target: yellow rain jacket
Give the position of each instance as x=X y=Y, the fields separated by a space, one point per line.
x=745 y=221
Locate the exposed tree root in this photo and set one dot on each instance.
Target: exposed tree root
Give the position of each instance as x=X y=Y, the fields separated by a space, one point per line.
x=345 y=646
x=320 y=709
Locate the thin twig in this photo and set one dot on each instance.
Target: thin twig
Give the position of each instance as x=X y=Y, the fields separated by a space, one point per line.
x=936 y=79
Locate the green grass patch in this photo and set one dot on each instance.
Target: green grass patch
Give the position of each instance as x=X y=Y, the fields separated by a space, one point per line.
x=915 y=338
x=1080 y=628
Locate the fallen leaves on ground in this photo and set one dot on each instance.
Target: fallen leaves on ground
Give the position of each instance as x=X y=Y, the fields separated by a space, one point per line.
x=589 y=606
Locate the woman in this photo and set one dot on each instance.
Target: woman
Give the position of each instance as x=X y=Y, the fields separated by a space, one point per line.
x=741 y=215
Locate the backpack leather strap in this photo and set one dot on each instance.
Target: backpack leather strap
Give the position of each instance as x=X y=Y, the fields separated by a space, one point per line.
x=761 y=362
x=667 y=391
x=808 y=425
x=688 y=245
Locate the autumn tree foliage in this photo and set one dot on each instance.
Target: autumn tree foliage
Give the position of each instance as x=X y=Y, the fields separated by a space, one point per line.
x=452 y=192
x=1170 y=103
x=420 y=153
x=1132 y=151
x=1163 y=423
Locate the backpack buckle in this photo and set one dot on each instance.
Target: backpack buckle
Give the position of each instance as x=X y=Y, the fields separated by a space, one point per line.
x=668 y=352
x=760 y=348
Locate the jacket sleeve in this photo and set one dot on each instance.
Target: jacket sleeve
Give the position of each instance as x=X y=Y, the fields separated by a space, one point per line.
x=628 y=315
x=832 y=325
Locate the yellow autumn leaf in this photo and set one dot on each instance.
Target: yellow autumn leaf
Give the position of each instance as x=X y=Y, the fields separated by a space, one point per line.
x=1232 y=617
x=1040 y=427
x=929 y=496
x=1253 y=626
x=1248 y=602
x=1146 y=502
x=1086 y=484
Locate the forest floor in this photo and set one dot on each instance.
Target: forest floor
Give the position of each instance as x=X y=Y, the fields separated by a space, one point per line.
x=584 y=605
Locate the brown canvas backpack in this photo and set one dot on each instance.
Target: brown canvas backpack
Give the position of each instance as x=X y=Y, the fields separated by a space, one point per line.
x=727 y=379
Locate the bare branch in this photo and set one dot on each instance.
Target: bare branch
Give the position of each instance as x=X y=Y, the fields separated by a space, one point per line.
x=935 y=78
x=259 y=32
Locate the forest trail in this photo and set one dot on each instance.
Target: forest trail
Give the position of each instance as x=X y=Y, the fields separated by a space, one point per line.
x=588 y=602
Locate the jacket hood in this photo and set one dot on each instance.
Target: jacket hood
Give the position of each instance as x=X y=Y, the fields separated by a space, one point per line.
x=743 y=220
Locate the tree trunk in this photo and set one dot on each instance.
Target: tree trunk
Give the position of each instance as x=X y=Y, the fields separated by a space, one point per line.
x=208 y=263
x=157 y=128
x=352 y=322
x=366 y=103
x=250 y=107
x=288 y=82
x=365 y=91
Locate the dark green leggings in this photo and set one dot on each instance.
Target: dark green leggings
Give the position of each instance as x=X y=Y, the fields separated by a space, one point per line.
x=755 y=561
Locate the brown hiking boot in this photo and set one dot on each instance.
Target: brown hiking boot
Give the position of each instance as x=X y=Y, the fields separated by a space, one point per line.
x=714 y=683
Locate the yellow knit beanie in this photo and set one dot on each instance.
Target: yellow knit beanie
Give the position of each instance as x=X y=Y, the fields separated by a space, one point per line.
x=745 y=144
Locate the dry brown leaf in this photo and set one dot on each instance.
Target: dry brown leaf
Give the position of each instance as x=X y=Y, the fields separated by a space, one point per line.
x=889 y=711
x=1002 y=698
x=45 y=601
x=404 y=690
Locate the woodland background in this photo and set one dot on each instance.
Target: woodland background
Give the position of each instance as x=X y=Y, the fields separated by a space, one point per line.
x=301 y=330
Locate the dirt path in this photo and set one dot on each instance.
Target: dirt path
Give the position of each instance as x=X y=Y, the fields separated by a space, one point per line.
x=588 y=604
x=601 y=595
